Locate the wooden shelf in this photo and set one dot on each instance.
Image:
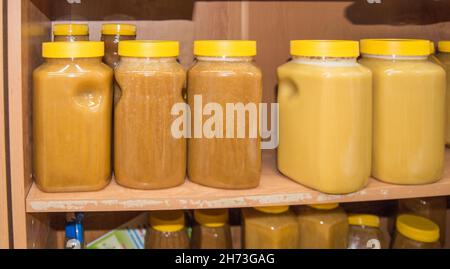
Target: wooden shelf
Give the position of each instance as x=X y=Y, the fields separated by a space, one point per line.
x=275 y=189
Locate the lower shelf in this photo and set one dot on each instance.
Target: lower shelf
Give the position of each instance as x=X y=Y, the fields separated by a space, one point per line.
x=275 y=189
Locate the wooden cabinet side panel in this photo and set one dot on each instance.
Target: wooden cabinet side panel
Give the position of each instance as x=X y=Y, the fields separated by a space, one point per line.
x=4 y=222
x=27 y=29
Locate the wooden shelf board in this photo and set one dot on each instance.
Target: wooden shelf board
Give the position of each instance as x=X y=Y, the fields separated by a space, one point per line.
x=275 y=189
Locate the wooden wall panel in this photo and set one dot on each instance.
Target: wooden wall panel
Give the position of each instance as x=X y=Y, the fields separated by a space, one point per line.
x=219 y=19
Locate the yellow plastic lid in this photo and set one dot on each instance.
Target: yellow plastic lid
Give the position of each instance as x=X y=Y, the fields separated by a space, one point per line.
x=325 y=48
x=432 y=48
x=118 y=29
x=225 y=48
x=149 y=48
x=399 y=47
x=273 y=209
x=325 y=206
x=444 y=46
x=79 y=49
x=70 y=29
x=418 y=228
x=167 y=221
x=364 y=220
x=211 y=218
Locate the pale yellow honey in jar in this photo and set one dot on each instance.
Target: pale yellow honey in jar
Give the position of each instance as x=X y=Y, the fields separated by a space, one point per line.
x=444 y=59
x=325 y=100
x=72 y=116
x=224 y=74
x=70 y=32
x=150 y=82
x=409 y=111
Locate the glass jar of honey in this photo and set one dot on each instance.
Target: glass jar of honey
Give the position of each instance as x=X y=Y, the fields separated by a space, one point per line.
x=72 y=116
x=409 y=111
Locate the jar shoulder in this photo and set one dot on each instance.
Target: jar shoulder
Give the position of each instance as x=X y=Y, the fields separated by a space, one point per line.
x=292 y=68
x=400 y=66
x=79 y=68
x=147 y=68
x=206 y=67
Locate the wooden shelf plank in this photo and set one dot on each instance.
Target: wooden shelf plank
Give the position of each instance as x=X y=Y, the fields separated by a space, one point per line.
x=275 y=189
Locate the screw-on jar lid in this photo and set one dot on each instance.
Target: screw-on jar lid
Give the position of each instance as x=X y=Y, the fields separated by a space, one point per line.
x=149 y=48
x=398 y=47
x=444 y=46
x=70 y=29
x=364 y=220
x=273 y=209
x=325 y=206
x=418 y=228
x=211 y=218
x=225 y=48
x=79 y=49
x=167 y=221
x=325 y=48
x=119 y=29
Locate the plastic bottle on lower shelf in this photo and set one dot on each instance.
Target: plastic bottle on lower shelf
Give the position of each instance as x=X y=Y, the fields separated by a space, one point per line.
x=74 y=237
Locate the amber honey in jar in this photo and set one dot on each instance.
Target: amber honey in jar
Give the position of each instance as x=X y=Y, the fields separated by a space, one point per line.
x=269 y=228
x=364 y=232
x=409 y=111
x=322 y=227
x=432 y=208
x=211 y=230
x=325 y=101
x=167 y=231
x=226 y=78
x=415 y=232
x=70 y=32
x=112 y=34
x=150 y=83
x=444 y=58
x=72 y=116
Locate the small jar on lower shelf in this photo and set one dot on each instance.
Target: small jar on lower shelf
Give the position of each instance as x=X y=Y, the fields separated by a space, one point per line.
x=364 y=232
x=322 y=227
x=269 y=228
x=211 y=230
x=432 y=208
x=167 y=231
x=414 y=232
